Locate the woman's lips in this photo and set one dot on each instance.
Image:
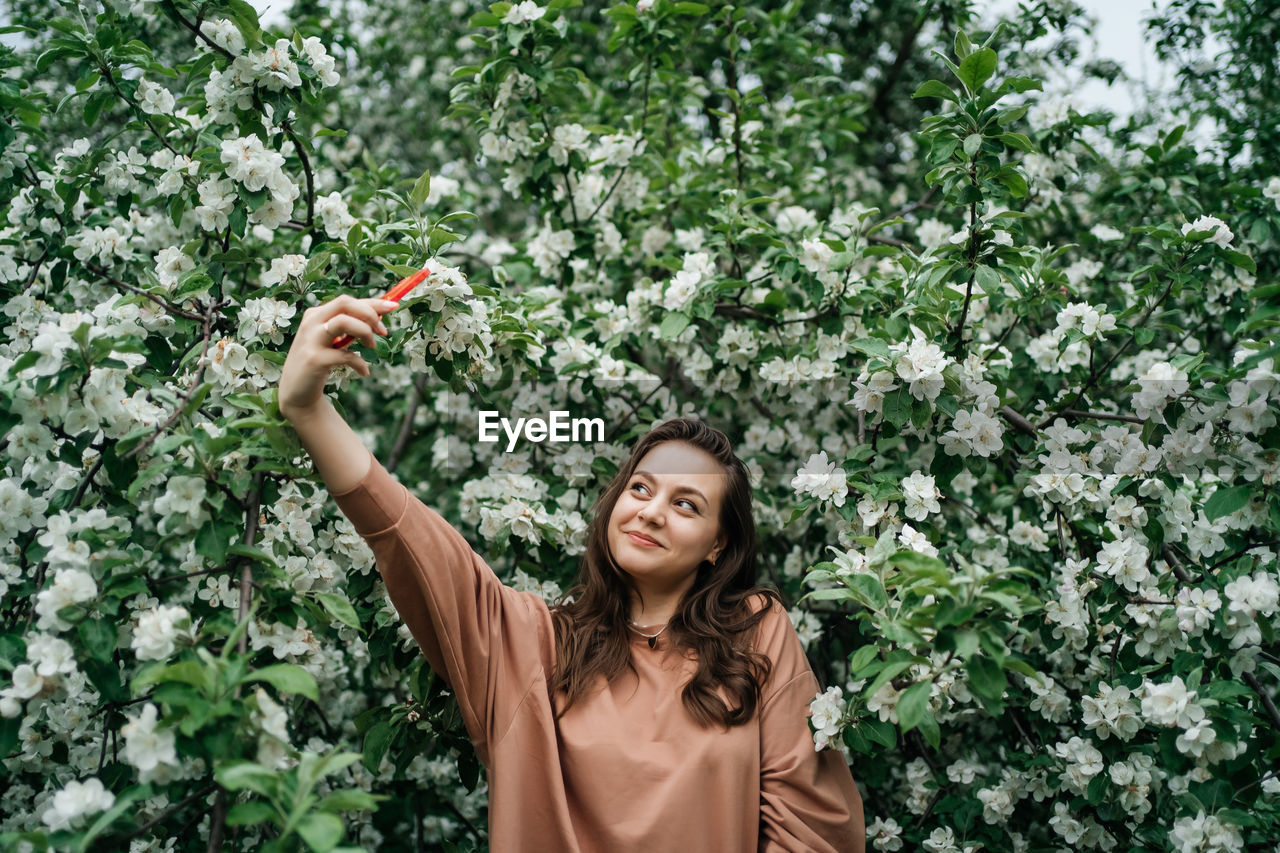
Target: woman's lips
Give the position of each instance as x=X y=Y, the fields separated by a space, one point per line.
x=643 y=540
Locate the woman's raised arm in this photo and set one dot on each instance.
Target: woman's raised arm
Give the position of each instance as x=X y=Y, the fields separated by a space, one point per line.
x=488 y=641
x=339 y=455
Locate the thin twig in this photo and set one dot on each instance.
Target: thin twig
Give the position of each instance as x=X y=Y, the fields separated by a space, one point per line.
x=250 y=534
x=217 y=821
x=1171 y=558
x=1102 y=416
x=648 y=71
x=1019 y=421
x=195 y=29
x=190 y=798
x=306 y=171
x=111 y=80
x=112 y=280
x=1096 y=374
x=406 y=426
x=84 y=484
x=1253 y=682
x=186 y=398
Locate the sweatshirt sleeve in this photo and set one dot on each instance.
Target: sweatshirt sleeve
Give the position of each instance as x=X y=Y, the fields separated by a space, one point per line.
x=484 y=638
x=808 y=799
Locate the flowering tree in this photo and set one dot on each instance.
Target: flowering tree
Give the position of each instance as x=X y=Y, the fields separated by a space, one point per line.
x=1003 y=371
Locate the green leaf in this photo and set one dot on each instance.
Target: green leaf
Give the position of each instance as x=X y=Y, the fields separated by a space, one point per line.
x=250 y=813
x=1022 y=84
x=1241 y=260
x=105 y=676
x=862 y=657
x=247 y=775
x=213 y=539
x=312 y=767
x=99 y=637
x=972 y=143
x=1017 y=140
x=868 y=589
x=1225 y=501
x=376 y=743
x=245 y=17
x=929 y=728
x=183 y=672
x=13 y=651
x=916 y=562
x=9 y=734
x=421 y=189
x=350 y=800
x=253 y=552
x=1013 y=181
x=94 y=105
x=672 y=325
x=339 y=608
x=913 y=705
x=936 y=89
x=977 y=68
x=871 y=346
x=881 y=732
x=890 y=670
x=287 y=678
x=986 y=677
x=441 y=236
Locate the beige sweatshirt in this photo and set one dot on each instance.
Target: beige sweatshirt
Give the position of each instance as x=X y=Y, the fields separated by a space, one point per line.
x=627 y=768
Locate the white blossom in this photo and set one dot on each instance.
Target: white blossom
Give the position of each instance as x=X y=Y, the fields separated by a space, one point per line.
x=522 y=12
x=70 y=586
x=224 y=34
x=153 y=99
x=822 y=479
x=157 y=630
x=76 y=800
x=145 y=747
x=1221 y=235
x=1170 y=704
x=827 y=715
x=920 y=495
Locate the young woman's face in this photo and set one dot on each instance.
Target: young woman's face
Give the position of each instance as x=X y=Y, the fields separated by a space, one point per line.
x=667 y=519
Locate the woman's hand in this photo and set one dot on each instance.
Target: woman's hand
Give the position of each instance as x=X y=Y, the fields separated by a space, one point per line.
x=312 y=355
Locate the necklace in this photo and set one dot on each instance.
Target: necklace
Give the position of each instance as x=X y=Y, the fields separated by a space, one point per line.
x=653 y=638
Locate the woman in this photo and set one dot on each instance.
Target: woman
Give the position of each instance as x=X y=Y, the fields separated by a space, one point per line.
x=664 y=707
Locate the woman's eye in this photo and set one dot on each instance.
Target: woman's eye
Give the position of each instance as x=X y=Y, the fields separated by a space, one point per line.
x=685 y=502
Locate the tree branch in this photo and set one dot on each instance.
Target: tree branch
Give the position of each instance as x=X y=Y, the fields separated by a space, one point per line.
x=306 y=171
x=1253 y=682
x=112 y=280
x=406 y=426
x=182 y=404
x=217 y=48
x=250 y=534
x=1102 y=416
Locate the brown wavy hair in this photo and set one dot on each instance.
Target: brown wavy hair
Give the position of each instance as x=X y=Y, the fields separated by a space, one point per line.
x=715 y=618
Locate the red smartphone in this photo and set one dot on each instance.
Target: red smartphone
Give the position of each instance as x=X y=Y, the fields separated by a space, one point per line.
x=393 y=295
